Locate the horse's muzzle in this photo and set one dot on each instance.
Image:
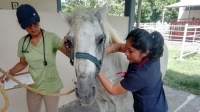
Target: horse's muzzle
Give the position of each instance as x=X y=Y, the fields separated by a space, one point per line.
x=87 y=96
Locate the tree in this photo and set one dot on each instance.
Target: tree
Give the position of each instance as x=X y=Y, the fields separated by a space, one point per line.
x=116 y=7
x=152 y=10
x=70 y=5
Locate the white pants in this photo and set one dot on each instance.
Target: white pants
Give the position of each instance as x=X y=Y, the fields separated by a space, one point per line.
x=34 y=102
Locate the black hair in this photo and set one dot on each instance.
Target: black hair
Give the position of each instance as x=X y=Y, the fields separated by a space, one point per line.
x=143 y=40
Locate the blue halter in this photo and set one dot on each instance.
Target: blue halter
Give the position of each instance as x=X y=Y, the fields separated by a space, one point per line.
x=83 y=55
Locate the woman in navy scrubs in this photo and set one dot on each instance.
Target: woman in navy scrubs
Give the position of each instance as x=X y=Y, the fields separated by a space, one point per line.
x=143 y=77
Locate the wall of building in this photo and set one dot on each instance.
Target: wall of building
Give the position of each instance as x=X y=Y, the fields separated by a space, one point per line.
x=183 y=14
x=11 y=32
x=40 y=5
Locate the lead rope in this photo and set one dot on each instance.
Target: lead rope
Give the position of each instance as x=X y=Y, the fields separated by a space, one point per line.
x=27 y=87
x=5 y=107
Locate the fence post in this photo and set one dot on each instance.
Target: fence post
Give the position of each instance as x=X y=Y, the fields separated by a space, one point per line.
x=183 y=43
x=194 y=34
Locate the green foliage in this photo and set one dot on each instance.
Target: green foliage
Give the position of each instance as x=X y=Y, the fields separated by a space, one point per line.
x=146 y=12
x=72 y=4
x=116 y=8
x=151 y=9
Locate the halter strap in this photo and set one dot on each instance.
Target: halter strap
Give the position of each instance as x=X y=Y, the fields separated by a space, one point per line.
x=89 y=57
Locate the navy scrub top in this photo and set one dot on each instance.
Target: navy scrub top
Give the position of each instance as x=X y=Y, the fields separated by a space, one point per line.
x=145 y=83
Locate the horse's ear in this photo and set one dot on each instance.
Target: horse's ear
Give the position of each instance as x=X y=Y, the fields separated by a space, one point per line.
x=101 y=13
x=66 y=17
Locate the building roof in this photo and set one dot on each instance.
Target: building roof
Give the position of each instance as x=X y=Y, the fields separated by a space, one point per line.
x=188 y=3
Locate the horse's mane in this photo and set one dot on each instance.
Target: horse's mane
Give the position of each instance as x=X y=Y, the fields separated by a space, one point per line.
x=110 y=32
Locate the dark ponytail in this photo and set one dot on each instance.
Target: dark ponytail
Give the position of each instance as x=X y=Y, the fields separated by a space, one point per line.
x=157 y=46
x=143 y=41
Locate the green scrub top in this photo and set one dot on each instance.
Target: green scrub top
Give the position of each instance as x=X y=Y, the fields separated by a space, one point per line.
x=46 y=78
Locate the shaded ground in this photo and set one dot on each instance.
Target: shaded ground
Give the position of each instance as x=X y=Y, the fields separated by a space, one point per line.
x=178 y=101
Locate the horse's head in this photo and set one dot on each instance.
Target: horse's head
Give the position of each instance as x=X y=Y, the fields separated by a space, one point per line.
x=87 y=41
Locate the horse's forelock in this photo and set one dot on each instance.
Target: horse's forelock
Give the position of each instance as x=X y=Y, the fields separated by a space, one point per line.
x=83 y=14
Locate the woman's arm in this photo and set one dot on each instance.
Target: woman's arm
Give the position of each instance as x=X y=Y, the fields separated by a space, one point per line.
x=21 y=65
x=115 y=89
x=117 y=47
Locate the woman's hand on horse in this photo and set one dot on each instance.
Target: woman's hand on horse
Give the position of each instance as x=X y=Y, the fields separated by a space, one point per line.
x=108 y=50
x=105 y=52
x=64 y=39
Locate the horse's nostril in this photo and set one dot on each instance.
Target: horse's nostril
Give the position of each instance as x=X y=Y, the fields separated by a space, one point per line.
x=77 y=92
x=94 y=90
x=79 y=102
x=82 y=75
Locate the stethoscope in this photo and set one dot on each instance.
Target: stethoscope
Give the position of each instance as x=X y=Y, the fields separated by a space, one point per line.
x=25 y=51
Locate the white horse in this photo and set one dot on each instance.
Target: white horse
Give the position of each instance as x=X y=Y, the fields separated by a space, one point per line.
x=87 y=42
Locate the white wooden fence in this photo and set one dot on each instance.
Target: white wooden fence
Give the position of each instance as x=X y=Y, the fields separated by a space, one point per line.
x=186 y=35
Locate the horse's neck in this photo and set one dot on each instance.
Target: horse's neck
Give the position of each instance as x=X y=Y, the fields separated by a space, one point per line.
x=114 y=63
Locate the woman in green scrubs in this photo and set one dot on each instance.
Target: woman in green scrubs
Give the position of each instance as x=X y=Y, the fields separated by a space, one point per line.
x=38 y=51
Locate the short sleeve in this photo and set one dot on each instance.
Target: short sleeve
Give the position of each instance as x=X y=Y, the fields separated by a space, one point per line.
x=57 y=42
x=20 y=54
x=132 y=82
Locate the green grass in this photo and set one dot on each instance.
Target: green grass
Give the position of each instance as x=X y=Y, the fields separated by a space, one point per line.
x=184 y=75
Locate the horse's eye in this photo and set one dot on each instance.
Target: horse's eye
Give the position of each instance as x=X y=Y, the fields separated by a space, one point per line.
x=101 y=40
